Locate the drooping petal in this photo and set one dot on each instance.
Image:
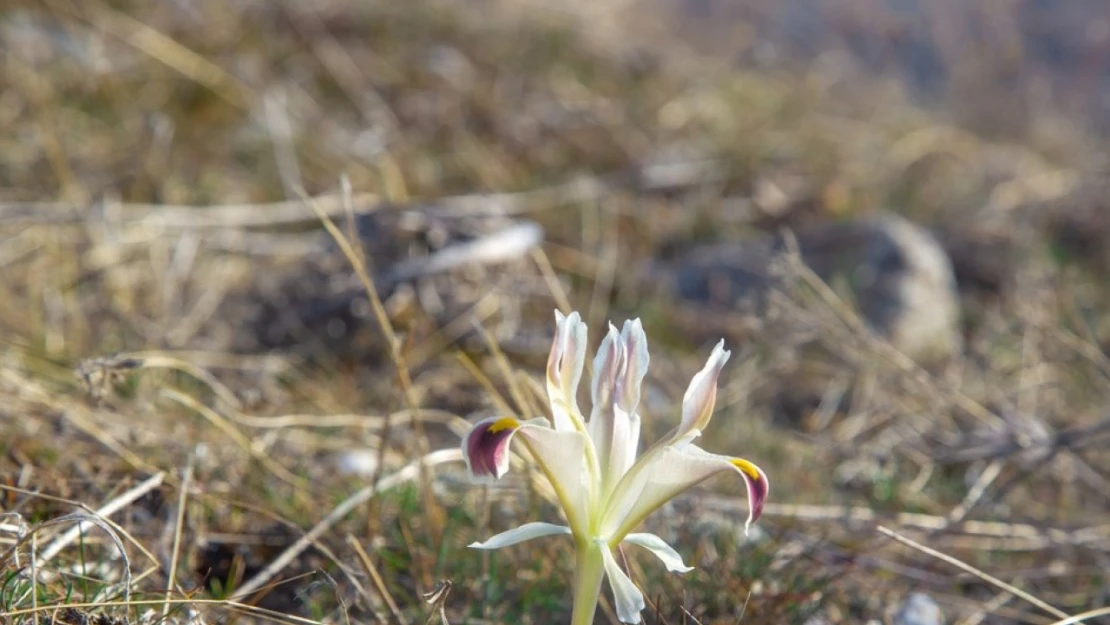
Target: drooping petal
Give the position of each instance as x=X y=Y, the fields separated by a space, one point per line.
x=486 y=447
x=560 y=455
x=701 y=395
x=758 y=489
x=528 y=531
x=661 y=549
x=564 y=371
x=628 y=599
x=668 y=472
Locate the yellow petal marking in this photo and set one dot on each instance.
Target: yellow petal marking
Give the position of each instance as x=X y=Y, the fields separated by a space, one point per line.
x=748 y=468
x=502 y=424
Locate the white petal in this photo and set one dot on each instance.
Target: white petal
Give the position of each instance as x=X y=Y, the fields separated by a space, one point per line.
x=701 y=395
x=614 y=426
x=562 y=458
x=626 y=442
x=528 y=531
x=627 y=597
x=564 y=370
x=638 y=360
x=575 y=361
x=655 y=480
x=661 y=549
x=608 y=365
x=616 y=437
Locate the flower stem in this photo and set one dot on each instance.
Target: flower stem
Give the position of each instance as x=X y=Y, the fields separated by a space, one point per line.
x=589 y=570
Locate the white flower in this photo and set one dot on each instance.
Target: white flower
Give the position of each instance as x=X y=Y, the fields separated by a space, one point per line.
x=606 y=490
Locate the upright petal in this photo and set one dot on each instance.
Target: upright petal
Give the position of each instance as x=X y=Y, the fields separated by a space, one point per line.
x=619 y=369
x=661 y=549
x=606 y=428
x=560 y=455
x=626 y=422
x=701 y=395
x=564 y=371
x=638 y=360
x=609 y=365
x=626 y=442
x=628 y=599
x=665 y=474
x=528 y=531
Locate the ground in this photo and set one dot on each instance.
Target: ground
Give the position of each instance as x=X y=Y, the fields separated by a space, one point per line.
x=167 y=172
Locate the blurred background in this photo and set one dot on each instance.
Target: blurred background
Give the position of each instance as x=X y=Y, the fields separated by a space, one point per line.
x=259 y=256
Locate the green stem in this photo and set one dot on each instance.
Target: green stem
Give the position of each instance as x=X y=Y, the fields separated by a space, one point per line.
x=589 y=570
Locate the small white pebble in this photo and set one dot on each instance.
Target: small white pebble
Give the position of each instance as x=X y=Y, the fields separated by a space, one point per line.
x=359 y=462
x=919 y=609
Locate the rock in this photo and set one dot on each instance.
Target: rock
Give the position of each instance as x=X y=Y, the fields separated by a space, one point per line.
x=899 y=275
x=357 y=462
x=919 y=609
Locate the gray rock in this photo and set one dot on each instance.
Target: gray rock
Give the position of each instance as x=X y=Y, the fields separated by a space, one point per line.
x=898 y=273
x=919 y=609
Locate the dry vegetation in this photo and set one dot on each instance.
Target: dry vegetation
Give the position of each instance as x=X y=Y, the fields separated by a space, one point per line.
x=168 y=457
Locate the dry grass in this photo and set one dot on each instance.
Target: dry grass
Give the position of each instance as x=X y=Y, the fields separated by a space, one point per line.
x=168 y=172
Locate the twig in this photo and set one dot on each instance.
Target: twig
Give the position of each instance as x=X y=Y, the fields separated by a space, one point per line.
x=376 y=577
x=84 y=520
x=975 y=494
x=1078 y=618
x=443 y=336
x=404 y=376
x=502 y=362
x=250 y=609
x=454 y=422
x=963 y=566
x=78 y=416
x=20 y=529
x=228 y=216
x=235 y=435
x=408 y=473
x=1039 y=536
x=552 y=280
x=483 y=380
x=105 y=511
x=179 y=523
x=165 y=49
x=438 y=600
x=608 y=256
x=281 y=136
x=201 y=375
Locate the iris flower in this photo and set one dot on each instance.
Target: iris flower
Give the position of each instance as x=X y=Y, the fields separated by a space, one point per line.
x=604 y=488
